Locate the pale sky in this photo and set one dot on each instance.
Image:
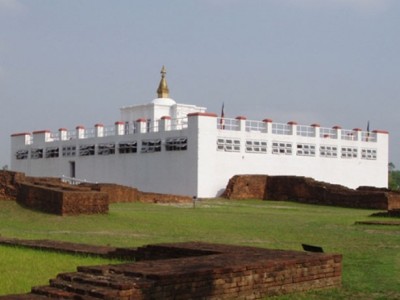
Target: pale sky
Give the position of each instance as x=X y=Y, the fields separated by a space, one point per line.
x=67 y=63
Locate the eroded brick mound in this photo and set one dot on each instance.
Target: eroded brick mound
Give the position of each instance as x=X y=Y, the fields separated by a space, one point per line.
x=8 y=184
x=246 y=187
x=197 y=271
x=308 y=190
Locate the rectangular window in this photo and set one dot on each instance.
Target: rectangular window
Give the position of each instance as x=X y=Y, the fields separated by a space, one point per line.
x=176 y=144
x=106 y=149
x=282 y=148
x=256 y=146
x=327 y=151
x=36 y=153
x=22 y=154
x=127 y=147
x=305 y=149
x=68 y=150
x=367 y=153
x=86 y=150
x=349 y=152
x=52 y=152
x=228 y=144
x=150 y=146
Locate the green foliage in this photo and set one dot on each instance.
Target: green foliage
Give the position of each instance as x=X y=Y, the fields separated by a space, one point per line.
x=371 y=257
x=22 y=268
x=394 y=180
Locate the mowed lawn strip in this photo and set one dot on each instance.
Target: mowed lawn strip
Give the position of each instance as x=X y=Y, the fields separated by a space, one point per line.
x=371 y=254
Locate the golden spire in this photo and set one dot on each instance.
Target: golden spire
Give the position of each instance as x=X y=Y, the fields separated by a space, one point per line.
x=163 y=91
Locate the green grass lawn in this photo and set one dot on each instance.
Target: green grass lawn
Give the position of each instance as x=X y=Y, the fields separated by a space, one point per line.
x=371 y=254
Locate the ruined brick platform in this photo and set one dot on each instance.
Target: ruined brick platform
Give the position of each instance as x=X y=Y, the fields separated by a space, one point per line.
x=197 y=270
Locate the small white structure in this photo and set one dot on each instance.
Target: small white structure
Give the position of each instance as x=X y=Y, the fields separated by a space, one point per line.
x=174 y=148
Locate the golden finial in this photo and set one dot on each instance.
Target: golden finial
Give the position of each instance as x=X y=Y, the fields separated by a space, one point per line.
x=163 y=91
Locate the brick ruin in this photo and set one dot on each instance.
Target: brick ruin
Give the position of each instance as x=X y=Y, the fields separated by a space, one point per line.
x=193 y=270
x=51 y=195
x=308 y=190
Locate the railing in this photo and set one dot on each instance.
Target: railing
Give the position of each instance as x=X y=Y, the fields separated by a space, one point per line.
x=282 y=129
x=367 y=136
x=228 y=124
x=75 y=181
x=328 y=133
x=304 y=130
x=349 y=135
x=109 y=130
x=256 y=126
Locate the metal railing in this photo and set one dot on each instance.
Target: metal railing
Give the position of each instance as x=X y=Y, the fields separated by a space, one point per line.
x=75 y=181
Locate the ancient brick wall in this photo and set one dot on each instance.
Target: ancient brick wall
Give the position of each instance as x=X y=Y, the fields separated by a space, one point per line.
x=62 y=201
x=308 y=190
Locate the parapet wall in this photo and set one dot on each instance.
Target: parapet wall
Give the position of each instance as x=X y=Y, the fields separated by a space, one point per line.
x=308 y=190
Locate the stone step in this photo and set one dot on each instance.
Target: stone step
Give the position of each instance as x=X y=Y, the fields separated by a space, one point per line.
x=51 y=292
x=29 y=296
x=90 y=290
x=115 y=281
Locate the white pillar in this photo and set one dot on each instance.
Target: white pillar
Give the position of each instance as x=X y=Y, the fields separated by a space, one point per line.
x=338 y=132
x=80 y=132
x=316 y=129
x=119 y=128
x=63 y=134
x=98 y=130
x=141 y=125
x=242 y=122
x=293 y=127
x=165 y=124
x=268 y=125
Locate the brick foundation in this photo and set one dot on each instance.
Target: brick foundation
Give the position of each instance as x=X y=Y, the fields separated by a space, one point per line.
x=197 y=271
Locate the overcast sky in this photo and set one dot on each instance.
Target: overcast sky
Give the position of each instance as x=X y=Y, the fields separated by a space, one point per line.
x=68 y=63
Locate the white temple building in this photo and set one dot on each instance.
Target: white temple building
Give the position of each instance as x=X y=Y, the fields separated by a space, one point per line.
x=167 y=147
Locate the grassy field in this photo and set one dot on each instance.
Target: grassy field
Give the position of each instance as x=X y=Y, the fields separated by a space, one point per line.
x=371 y=253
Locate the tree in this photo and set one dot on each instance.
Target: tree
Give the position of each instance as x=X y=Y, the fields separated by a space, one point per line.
x=394 y=177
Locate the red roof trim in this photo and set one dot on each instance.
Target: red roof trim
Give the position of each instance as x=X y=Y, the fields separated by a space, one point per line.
x=292 y=123
x=98 y=125
x=166 y=118
x=80 y=127
x=337 y=127
x=381 y=131
x=141 y=120
x=41 y=131
x=357 y=129
x=202 y=114
x=62 y=129
x=315 y=125
x=267 y=120
x=119 y=123
x=241 y=118
x=20 y=134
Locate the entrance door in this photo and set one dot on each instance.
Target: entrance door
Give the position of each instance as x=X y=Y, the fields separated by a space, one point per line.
x=72 y=169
